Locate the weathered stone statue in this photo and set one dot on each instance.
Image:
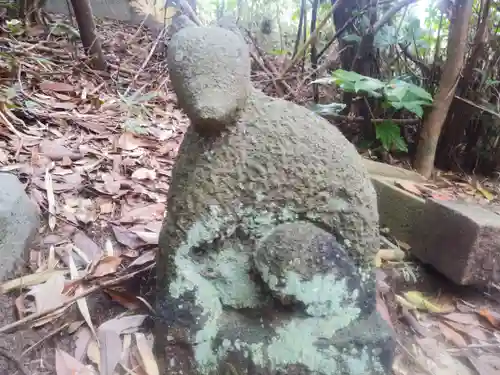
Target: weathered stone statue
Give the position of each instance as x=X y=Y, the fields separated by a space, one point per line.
x=271 y=227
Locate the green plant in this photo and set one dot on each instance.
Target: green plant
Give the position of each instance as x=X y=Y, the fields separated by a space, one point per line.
x=396 y=93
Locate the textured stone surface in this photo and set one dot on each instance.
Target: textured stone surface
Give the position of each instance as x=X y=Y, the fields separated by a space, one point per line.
x=19 y=222
x=266 y=252
x=460 y=240
x=399 y=210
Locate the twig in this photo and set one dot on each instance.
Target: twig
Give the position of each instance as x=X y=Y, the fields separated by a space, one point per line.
x=94 y=288
x=311 y=38
x=389 y=14
x=4 y=353
x=151 y=52
x=46 y=337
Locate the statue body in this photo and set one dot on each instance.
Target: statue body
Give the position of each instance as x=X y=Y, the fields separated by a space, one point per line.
x=266 y=252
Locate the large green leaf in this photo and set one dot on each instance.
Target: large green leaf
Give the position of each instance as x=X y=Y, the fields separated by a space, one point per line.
x=388 y=133
x=369 y=85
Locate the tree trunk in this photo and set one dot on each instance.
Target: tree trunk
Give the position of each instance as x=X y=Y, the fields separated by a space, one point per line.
x=431 y=129
x=91 y=43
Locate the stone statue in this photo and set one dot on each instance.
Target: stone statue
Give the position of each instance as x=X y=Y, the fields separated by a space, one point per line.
x=266 y=251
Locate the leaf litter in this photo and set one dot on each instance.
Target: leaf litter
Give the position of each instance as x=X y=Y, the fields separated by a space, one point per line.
x=95 y=151
x=97 y=162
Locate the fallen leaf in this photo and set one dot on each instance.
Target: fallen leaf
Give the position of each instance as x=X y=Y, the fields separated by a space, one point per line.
x=151 y=238
x=491 y=316
x=56 y=86
x=417 y=299
x=126 y=237
x=110 y=343
x=29 y=280
x=144 y=214
x=49 y=294
x=68 y=365
x=144 y=174
x=81 y=302
x=453 y=336
x=110 y=184
x=148 y=360
x=106 y=266
x=125 y=299
x=148 y=256
x=489 y=196
x=470 y=330
x=93 y=353
x=50 y=199
x=483 y=368
x=462 y=318
x=87 y=246
x=83 y=337
x=492 y=360
x=408 y=186
x=128 y=141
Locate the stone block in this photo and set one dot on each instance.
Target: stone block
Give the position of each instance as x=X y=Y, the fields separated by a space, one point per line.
x=460 y=240
x=19 y=221
x=398 y=209
x=376 y=168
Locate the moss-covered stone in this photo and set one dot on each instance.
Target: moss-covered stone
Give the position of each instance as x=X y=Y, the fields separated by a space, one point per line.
x=271 y=228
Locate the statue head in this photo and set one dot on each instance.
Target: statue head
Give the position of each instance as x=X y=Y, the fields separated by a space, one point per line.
x=210 y=73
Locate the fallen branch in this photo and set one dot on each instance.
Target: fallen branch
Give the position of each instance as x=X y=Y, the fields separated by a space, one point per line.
x=33 y=317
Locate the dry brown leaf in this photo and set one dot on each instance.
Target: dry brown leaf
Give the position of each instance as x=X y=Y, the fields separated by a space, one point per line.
x=92 y=251
x=81 y=302
x=110 y=343
x=408 y=186
x=125 y=299
x=126 y=237
x=50 y=199
x=151 y=238
x=483 y=368
x=471 y=330
x=56 y=86
x=462 y=318
x=148 y=256
x=29 y=280
x=67 y=365
x=491 y=316
x=148 y=360
x=106 y=266
x=492 y=360
x=453 y=336
x=49 y=294
x=93 y=353
x=110 y=184
x=83 y=338
x=144 y=174
x=128 y=141
x=144 y=214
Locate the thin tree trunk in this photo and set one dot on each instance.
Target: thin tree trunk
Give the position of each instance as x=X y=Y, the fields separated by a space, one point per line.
x=91 y=43
x=431 y=129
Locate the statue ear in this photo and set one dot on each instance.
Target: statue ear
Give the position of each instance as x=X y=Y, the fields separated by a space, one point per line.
x=180 y=21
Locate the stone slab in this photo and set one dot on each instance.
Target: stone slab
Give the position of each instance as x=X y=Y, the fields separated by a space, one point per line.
x=19 y=222
x=376 y=168
x=460 y=240
x=398 y=209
